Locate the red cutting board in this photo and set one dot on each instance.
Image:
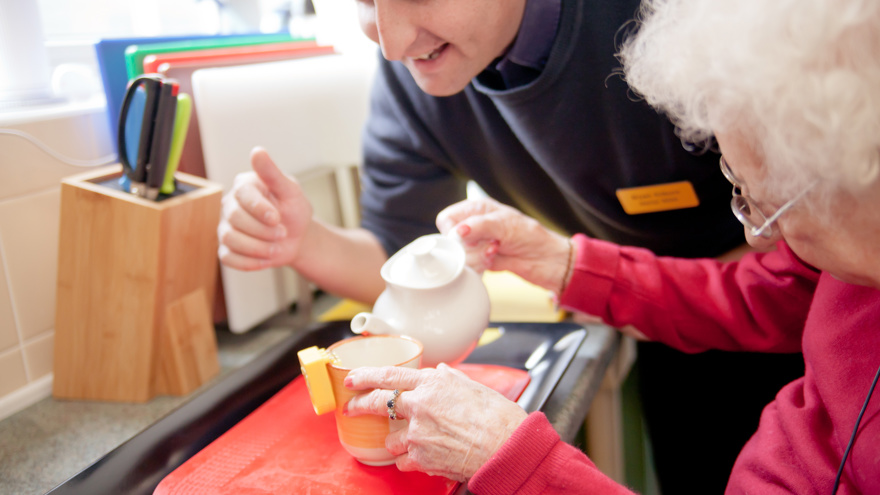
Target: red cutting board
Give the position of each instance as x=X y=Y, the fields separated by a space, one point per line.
x=230 y=55
x=284 y=448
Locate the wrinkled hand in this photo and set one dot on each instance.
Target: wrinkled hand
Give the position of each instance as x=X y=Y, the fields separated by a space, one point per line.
x=498 y=237
x=455 y=424
x=265 y=217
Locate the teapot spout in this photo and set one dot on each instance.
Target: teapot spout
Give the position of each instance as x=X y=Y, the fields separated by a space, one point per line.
x=372 y=324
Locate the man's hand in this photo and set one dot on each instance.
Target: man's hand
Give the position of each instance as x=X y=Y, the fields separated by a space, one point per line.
x=265 y=217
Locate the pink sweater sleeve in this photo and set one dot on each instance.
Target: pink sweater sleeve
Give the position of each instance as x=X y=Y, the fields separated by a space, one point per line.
x=536 y=461
x=757 y=304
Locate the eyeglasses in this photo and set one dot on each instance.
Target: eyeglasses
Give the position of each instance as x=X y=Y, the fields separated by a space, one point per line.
x=746 y=210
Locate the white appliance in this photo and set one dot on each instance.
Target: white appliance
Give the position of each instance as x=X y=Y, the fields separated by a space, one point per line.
x=309 y=114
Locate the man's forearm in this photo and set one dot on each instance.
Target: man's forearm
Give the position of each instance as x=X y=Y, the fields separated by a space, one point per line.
x=343 y=262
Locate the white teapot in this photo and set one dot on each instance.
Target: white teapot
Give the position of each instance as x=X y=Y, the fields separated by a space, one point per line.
x=431 y=295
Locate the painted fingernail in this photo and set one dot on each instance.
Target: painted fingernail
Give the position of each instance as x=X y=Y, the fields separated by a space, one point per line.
x=463 y=230
x=492 y=249
x=348 y=382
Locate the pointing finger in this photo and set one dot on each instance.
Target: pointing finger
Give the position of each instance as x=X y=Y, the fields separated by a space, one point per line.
x=389 y=377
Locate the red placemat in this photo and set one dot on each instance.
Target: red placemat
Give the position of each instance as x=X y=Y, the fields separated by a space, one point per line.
x=284 y=448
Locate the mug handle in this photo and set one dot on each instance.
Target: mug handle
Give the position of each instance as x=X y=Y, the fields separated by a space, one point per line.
x=313 y=363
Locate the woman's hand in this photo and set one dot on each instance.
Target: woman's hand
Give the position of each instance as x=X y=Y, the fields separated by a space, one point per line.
x=455 y=424
x=498 y=237
x=265 y=217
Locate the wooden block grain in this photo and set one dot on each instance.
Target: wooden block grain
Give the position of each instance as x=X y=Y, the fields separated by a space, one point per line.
x=123 y=260
x=188 y=350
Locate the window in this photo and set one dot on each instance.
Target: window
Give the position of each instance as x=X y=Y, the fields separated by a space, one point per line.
x=65 y=20
x=60 y=63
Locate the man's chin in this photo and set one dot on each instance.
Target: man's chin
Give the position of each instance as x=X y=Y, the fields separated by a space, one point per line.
x=441 y=93
x=435 y=87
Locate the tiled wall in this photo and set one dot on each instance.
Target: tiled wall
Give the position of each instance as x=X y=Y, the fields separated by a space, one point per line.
x=29 y=220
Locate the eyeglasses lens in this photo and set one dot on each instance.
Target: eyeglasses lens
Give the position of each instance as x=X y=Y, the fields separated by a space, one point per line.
x=746 y=214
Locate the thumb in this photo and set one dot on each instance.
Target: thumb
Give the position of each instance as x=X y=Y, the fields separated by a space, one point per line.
x=275 y=180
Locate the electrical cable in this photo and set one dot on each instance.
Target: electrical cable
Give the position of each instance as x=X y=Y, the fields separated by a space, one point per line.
x=104 y=160
x=855 y=430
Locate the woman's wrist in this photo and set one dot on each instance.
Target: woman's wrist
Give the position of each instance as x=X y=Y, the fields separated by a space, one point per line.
x=569 y=262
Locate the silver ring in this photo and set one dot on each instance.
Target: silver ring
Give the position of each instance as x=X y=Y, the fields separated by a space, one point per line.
x=391 y=403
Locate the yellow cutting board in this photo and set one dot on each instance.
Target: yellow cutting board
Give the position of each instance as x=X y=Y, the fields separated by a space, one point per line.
x=512 y=299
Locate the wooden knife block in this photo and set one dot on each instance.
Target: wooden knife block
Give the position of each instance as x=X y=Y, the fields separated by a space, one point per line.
x=136 y=280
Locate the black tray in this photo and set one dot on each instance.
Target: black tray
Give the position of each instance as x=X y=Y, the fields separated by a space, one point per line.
x=138 y=465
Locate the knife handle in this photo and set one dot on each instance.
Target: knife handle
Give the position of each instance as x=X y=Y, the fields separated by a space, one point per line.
x=163 y=130
x=181 y=126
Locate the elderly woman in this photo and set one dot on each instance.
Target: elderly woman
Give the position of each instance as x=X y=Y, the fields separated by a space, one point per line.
x=790 y=90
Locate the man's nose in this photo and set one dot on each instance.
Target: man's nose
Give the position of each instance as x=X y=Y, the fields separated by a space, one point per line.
x=396 y=30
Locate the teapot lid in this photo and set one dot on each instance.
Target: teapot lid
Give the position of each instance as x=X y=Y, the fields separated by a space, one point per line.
x=429 y=261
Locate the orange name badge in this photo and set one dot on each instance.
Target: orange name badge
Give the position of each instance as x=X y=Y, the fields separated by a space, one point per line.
x=659 y=197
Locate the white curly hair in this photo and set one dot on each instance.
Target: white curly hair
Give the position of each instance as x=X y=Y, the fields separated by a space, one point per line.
x=800 y=78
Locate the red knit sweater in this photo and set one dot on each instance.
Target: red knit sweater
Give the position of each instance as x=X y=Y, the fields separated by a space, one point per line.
x=766 y=302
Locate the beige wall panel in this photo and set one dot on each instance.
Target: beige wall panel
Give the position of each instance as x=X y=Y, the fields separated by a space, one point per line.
x=39 y=356
x=12 y=375
x=29 y=233
x=8 y=332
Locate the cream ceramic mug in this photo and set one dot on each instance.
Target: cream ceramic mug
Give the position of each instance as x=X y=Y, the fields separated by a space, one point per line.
x=324 y=371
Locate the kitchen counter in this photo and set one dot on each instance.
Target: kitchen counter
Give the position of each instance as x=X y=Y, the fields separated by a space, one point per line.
x=53 y=440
